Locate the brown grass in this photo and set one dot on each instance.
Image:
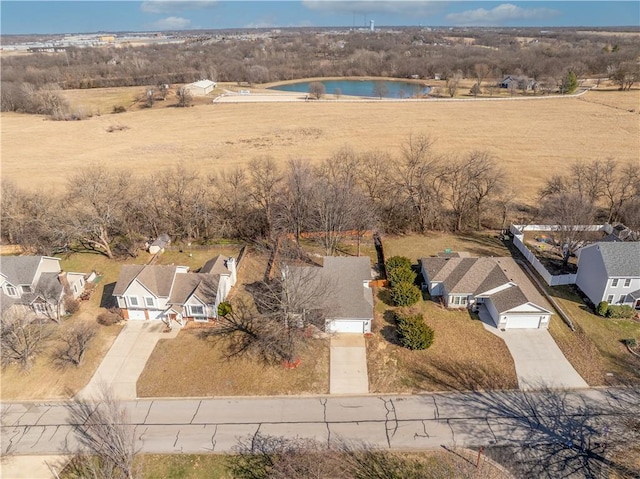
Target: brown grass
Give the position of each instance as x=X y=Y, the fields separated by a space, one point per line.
x=191 y=366
x=464 y=356
x=531 y=139
x=44 y=380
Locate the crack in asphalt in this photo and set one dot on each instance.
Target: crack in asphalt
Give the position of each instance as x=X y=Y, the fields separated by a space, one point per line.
x=45 y=412
x=453 y=433
x=177 y=437
x=148 y=412
x=436 y=411
x=424 y=429
x=255 y=435
x=54 y=432
x=323 y=401
x=391 y=411
x=213 y=438
x=143 y=433
x=8 y=449
x=495 y=438
x=39 y=437
x=196 y=413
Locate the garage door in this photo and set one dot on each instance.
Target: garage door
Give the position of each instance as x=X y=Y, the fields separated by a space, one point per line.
x=136 y=315
x=157 y=315
x=523 y=322
x=345 y=326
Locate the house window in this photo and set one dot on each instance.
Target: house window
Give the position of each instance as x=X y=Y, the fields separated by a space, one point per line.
x=614 y=282
x=40 y=308
x=463 y=300
x=622 y=298
x=197 y=312
x=148 y=301
x=610 y=299
x=11 y=291
x=627 y=282
x=75 y=288
x=133 y=301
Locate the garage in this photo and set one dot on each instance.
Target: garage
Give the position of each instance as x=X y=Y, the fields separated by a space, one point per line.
x=348 y=326
x=523 y=321
x=137 y=315
x=156 y=315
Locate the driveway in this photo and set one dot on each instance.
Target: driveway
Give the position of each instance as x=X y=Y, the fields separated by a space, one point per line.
x=348 y=365
x=126 y=359
x=538 y=359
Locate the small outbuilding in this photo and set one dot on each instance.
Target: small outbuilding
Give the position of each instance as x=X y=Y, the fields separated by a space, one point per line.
x=159 y=244
x=201 y=88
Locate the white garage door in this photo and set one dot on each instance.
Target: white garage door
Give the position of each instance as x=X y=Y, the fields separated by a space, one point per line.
x=515 y=321
x=345 y=326
x=157 y=315
x=136 y=315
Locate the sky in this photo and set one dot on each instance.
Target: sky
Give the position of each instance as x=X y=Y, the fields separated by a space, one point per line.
x=53 y=16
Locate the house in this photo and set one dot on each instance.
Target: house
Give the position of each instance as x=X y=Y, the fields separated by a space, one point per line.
x=610 y=271
x=159 y=244
x=520 y=82
x=201 y=88
x=497 y=284
x=37 y=283
x=160 y=292
x=342 y=292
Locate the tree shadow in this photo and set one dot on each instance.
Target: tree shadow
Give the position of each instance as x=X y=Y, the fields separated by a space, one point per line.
x=453 y=375
x=384 y=295
x=389 y=331
x=107 y=300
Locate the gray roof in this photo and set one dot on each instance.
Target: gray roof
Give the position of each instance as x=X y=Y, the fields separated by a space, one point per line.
x=20 y=269
x=620 y=259
x=205 y=287
x=156 y=278
x=343 y=277
x=162 y=240
x=508 y=299
x=217 y=265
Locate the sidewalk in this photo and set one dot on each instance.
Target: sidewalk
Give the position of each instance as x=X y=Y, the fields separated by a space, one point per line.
x=126 y=359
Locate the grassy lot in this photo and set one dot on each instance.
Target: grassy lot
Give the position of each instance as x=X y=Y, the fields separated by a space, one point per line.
x=191 y=366
x=595 y=350
x=464 y=356
x=530 y=139
x=213 y=466
x=45 y=380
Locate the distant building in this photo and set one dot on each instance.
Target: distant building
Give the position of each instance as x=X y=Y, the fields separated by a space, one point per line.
x=201 y=88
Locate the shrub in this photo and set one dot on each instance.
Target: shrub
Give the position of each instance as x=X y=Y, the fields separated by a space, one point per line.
x=620 y=312
x=413 y=332
x=118 y=109
x=107 y=318
x=631 y=342
x=224 y=309
x=601 y=309
x=399 y=270
x=405 y=294
x=71 y=305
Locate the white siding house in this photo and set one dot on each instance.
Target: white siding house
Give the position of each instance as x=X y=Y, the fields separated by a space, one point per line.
x=610 y=271
x=201 y=88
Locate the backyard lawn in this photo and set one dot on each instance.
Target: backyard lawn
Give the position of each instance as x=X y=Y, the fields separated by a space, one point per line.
x=464 y=356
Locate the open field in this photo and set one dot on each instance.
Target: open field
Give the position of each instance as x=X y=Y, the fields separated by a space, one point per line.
x=532 y=139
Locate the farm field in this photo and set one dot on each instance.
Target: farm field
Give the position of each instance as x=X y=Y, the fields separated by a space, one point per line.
x=532 y=139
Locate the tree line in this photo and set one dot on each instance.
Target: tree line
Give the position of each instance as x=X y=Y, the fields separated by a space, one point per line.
x=416 y=190
x=292 y=54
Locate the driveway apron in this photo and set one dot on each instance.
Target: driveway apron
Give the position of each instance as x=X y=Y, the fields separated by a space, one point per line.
x=126 y=359
x=348 y=369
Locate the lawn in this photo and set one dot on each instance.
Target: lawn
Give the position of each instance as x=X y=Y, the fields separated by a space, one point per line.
x=194 y=367
x=595 y=349
x=464 y=356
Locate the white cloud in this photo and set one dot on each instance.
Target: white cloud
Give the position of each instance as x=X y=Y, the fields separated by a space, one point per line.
x=505 y=12
x=398 y=7
x=174 y=6
x=172 y=23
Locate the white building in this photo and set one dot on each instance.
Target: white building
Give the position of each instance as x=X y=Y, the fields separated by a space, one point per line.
x=201 y=88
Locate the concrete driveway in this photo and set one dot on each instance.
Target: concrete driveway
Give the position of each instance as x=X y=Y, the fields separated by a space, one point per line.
x=126 y=359
x=538 y=359
x=348 y=365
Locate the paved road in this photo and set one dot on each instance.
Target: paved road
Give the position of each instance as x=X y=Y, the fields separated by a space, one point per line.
x=396 y=422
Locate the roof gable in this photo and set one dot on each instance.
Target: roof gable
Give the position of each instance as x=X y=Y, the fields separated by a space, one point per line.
x=21 y=269
x=620 y=259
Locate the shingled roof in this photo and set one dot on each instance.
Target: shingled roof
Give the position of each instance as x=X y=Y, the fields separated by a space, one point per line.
x=620 y=259
x=20 y=269
x=156 y=278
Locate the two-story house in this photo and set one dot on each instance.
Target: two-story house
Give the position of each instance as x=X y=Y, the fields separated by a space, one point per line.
x=159 y=292
x=37 y=283
x=610 y=271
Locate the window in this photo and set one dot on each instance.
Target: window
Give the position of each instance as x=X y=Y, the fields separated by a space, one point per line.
x=463 y=300
x=627 y=282
x=614 y=282
x=148 y=301
x=40 y=308
x=75 y=288
x=622 y=298
x=133 y=301
x=197 y=310
x=11 y=291
x=610 y=299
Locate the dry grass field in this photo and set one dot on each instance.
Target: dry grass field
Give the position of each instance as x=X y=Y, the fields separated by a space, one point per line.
x=532 y=139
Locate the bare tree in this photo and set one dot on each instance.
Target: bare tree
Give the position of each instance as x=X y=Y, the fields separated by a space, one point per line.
x=452 y=84
x=295 y=209
x=105 y=435
x=184 y=96
x=380 y=89
x=22 y=336
x=317 y=89
x=266 y=185
x=74 y=343
x=149 y=97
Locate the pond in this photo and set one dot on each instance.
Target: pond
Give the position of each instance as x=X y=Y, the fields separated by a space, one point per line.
x=365 y=88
